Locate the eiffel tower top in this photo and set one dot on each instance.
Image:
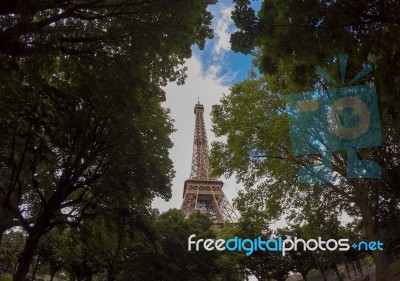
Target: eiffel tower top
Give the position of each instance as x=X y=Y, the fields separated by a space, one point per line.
x=200 y=164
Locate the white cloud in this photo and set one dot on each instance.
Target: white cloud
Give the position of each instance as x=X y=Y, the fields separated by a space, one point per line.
x=218 y=62
x=223 y=30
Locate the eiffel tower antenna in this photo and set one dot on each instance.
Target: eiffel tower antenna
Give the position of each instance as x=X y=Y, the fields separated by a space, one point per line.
x=201 y=191
x=200 y=164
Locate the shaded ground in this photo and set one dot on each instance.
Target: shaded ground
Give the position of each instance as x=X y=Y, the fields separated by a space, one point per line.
x=367 y=271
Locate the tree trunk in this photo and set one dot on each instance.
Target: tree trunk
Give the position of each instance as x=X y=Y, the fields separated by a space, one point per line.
x=337 y=272
x=320 y=267
x=37 y=231
x=370 y=222
x=359 y=267
x=381 y=266
x=35 y=268
x=347 y=269
x=26 y=257
x=53 y=273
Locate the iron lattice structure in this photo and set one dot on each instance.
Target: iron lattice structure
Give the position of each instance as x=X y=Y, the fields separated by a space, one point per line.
x=201 y=191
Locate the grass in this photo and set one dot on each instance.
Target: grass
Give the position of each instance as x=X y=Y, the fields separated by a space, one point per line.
x=5 y=278
x=395 y=267
x=313 y=273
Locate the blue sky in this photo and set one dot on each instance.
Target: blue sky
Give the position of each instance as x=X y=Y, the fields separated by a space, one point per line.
x=217 y=56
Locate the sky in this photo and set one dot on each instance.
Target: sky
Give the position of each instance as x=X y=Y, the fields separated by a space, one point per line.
x=210 y=72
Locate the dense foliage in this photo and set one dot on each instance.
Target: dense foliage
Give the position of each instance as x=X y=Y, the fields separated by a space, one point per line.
x=289 y=40
x=82 y=130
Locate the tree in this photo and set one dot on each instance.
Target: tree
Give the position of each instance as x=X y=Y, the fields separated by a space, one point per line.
x=11 y=245
x=232 y=267
x=327 y=226
x=258 y=150
x=76 y=145
x=80 y=261
x=293 y=37
x=156 y=35
x=82 y=124
x=153 y=37
x=52 y=250
x=301 y=261
x=37 y=38
x=262 y=264
x=328 y=28
x=166 y=256
x=117 y=233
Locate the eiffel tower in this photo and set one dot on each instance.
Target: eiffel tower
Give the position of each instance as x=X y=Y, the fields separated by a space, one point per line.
x=201 y=191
